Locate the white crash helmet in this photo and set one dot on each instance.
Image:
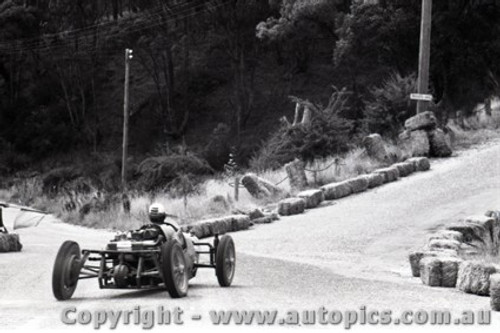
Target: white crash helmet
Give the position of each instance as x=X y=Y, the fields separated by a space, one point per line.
x=157 y=213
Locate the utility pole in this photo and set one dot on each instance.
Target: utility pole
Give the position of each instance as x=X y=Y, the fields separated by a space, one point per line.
x=425 y=53
x=128 y=57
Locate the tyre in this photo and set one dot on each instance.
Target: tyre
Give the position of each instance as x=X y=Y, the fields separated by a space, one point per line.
x=173 y=266
x=66 y=270
x=225 y=261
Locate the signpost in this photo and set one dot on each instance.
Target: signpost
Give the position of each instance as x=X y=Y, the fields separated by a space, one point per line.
x=421 y=97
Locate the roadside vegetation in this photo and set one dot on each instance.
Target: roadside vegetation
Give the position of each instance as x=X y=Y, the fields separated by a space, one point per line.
x=213 y=196
x=214 y=86
x=195 y=199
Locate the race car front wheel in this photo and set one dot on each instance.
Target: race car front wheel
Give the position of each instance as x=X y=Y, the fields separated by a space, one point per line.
x=174 y=270
x=66 y=270
x=225 y=261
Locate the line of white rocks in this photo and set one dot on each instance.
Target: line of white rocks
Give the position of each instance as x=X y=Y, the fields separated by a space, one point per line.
x=308 y=199
x=313 y=198
x=462 y=256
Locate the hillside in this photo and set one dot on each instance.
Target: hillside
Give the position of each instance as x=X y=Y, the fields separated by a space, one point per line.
x=213 y=77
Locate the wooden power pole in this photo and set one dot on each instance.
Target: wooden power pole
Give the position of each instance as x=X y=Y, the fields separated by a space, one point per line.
x=128 y=57
x=425 y=53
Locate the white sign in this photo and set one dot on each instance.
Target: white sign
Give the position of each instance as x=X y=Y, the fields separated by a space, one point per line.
x=421 y=97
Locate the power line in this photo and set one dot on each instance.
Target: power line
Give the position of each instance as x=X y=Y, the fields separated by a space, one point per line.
x=87 y=45
x=89 y=27
x=42 y=45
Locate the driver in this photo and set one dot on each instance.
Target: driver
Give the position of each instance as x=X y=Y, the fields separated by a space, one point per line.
x=171 y=230
x=157 y=215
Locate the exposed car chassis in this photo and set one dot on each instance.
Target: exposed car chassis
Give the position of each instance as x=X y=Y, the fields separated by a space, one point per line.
x=143 y=264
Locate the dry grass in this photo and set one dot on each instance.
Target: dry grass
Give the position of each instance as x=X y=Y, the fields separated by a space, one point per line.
x=190 y=209
x=482 y=129
x=201 y=205
x=335 y=169
x=466 y=139
x=194 y=207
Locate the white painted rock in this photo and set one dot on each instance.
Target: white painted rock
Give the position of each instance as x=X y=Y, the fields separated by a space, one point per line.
x=390 y=174
x=474 y=277
x=439 y=144
x=358 y=184
x=405 y=168
x=313 y=198
x=422 y=121
x=291 y=206
x=375 y=179
x=10 y=243
x=335 y=191
x=420 y=163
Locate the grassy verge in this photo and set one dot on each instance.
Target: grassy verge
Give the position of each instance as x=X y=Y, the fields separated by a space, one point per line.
x=480 y=131
x=467 y=139
x=216 y=196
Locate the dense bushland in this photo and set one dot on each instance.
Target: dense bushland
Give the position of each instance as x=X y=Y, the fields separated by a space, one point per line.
x=213 y=77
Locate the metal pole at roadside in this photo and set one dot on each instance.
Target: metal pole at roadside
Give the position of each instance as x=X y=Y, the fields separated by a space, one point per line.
x=128 y=57
x=425 y=53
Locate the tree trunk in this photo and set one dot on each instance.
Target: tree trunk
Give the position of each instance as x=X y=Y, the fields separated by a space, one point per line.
x=460 y=119
x=296 y=116
x=66 y=96
x=187 y=79
x=306 y=117
x=487 y=106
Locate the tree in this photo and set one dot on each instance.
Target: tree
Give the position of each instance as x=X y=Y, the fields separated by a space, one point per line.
x=48 y=71
x=466 y=49
x=301 y=23
x=377 y=39
x=322 y=132
x=389 y=105
x=16 y=22
x=233 y=23
x=175 y=28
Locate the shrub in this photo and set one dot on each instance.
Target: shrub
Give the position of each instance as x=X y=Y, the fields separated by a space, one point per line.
x=55 y=179
x=26 y=191
x=218 y=147
x=390 y=105
x=154 y=173
x=105 y=171
x=326 y=134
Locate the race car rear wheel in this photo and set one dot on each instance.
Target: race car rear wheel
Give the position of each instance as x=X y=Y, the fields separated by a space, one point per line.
x=66 y=270
x=174 y=270
x=225 y=261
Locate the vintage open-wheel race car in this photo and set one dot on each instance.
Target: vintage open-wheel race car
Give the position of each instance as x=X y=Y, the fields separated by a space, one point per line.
x=158 y=254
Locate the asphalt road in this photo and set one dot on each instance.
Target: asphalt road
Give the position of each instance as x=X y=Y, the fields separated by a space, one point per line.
x=342 y=256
